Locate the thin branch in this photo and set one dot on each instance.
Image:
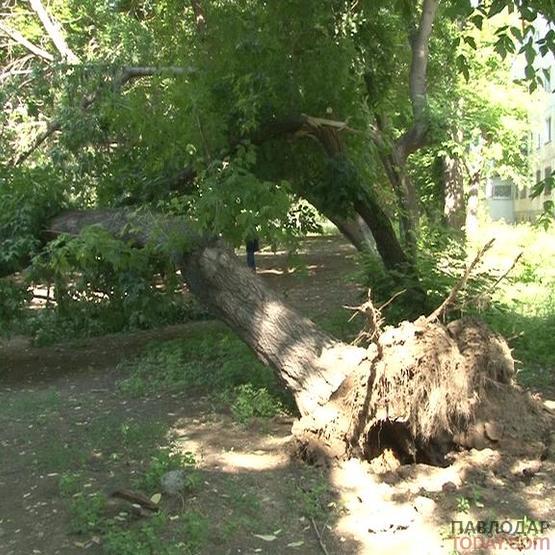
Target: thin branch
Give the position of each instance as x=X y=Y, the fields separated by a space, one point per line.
x=490 y=291
x=441 y=310
x=134 y=72
x=15 y=67
x=20 y=39
x=126 y=74
x=319 y=537
x=54 y=32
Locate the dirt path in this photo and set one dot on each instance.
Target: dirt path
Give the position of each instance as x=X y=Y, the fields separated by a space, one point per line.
x=62 y=416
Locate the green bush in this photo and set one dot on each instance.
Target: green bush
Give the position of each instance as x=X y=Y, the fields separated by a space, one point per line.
x=105 y=285
x=87 y=513
x=248 y=402
x=28 y=198
x=13 y=298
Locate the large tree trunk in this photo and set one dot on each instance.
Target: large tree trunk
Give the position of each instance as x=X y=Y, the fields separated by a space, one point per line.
x=415 y=392
x=471 y=222
x=355 y=231
x=311 y=363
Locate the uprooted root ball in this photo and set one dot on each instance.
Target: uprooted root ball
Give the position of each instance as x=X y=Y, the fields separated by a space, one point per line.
x=423 y=390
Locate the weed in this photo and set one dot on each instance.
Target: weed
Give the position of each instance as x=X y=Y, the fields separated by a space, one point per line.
x=463 y=504
x=314 y=499
x=87 y=513
x=69 y=483
x=164 y=461
x=249 y=402
x=195 y=529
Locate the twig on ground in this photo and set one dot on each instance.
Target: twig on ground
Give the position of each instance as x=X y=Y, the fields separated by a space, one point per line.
x=319 y=536
x=136 y=497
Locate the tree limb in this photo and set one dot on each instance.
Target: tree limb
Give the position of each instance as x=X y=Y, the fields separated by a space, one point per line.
x=414 y=138
x=126 y=74
x=20 y=39
x=54 y=32
x=441 y=310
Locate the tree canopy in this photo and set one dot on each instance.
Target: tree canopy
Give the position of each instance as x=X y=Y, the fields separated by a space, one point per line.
x=248 y=117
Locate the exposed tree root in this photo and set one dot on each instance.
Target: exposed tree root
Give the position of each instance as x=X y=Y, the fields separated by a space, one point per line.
x=423 y=390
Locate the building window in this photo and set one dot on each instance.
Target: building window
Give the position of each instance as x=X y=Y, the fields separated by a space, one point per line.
x=524 y=192
x=548 y=187
x=538 y=176
x=548 y=130
x=502 y=191
x=539 y=143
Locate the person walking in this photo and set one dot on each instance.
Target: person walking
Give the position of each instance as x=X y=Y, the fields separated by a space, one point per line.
x=252 y=247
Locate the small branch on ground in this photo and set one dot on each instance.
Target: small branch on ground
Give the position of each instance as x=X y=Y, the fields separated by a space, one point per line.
x=319 y=537
x=442 y=310
x=136 y=497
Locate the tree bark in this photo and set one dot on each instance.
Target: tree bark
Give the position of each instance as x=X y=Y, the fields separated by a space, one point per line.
x=453 y=194
x=471 y=224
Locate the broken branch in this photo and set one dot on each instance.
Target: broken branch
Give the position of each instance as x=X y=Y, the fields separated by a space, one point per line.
x=441 y=310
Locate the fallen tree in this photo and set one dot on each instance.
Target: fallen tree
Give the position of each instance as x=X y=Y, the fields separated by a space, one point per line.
x=415 y=392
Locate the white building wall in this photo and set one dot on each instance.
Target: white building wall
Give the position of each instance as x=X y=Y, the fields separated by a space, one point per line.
x=542 y=145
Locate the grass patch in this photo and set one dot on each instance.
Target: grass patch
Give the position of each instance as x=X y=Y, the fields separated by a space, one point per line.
x=121 y=534
x=29 y=405
x=221 y=366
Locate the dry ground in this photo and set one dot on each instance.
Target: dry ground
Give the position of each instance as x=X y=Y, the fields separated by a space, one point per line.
x=61 y=413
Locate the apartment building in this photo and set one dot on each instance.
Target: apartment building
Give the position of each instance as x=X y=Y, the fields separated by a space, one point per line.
x=542 y=154
x=506 y=201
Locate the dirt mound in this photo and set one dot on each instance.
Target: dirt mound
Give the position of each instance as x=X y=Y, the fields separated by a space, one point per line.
x=424 y=390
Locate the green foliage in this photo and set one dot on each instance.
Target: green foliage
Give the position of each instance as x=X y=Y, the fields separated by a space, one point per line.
x=441 y=262
x=195 y=527
x=164 y=461
x=248 y=402
x=150 y=537
x=463 y=504
x=13 y=298
x=70 y=483
x=87 y=513
x=314 y=498
x=104 y=285
x=219 y=364
x=28 y=198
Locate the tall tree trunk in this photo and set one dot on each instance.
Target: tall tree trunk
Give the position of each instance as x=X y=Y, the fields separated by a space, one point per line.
x=355 y=231
x=311 y=363
x=394 y=165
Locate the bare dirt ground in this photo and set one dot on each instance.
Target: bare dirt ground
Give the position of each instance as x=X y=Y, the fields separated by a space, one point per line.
x=53 y=400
